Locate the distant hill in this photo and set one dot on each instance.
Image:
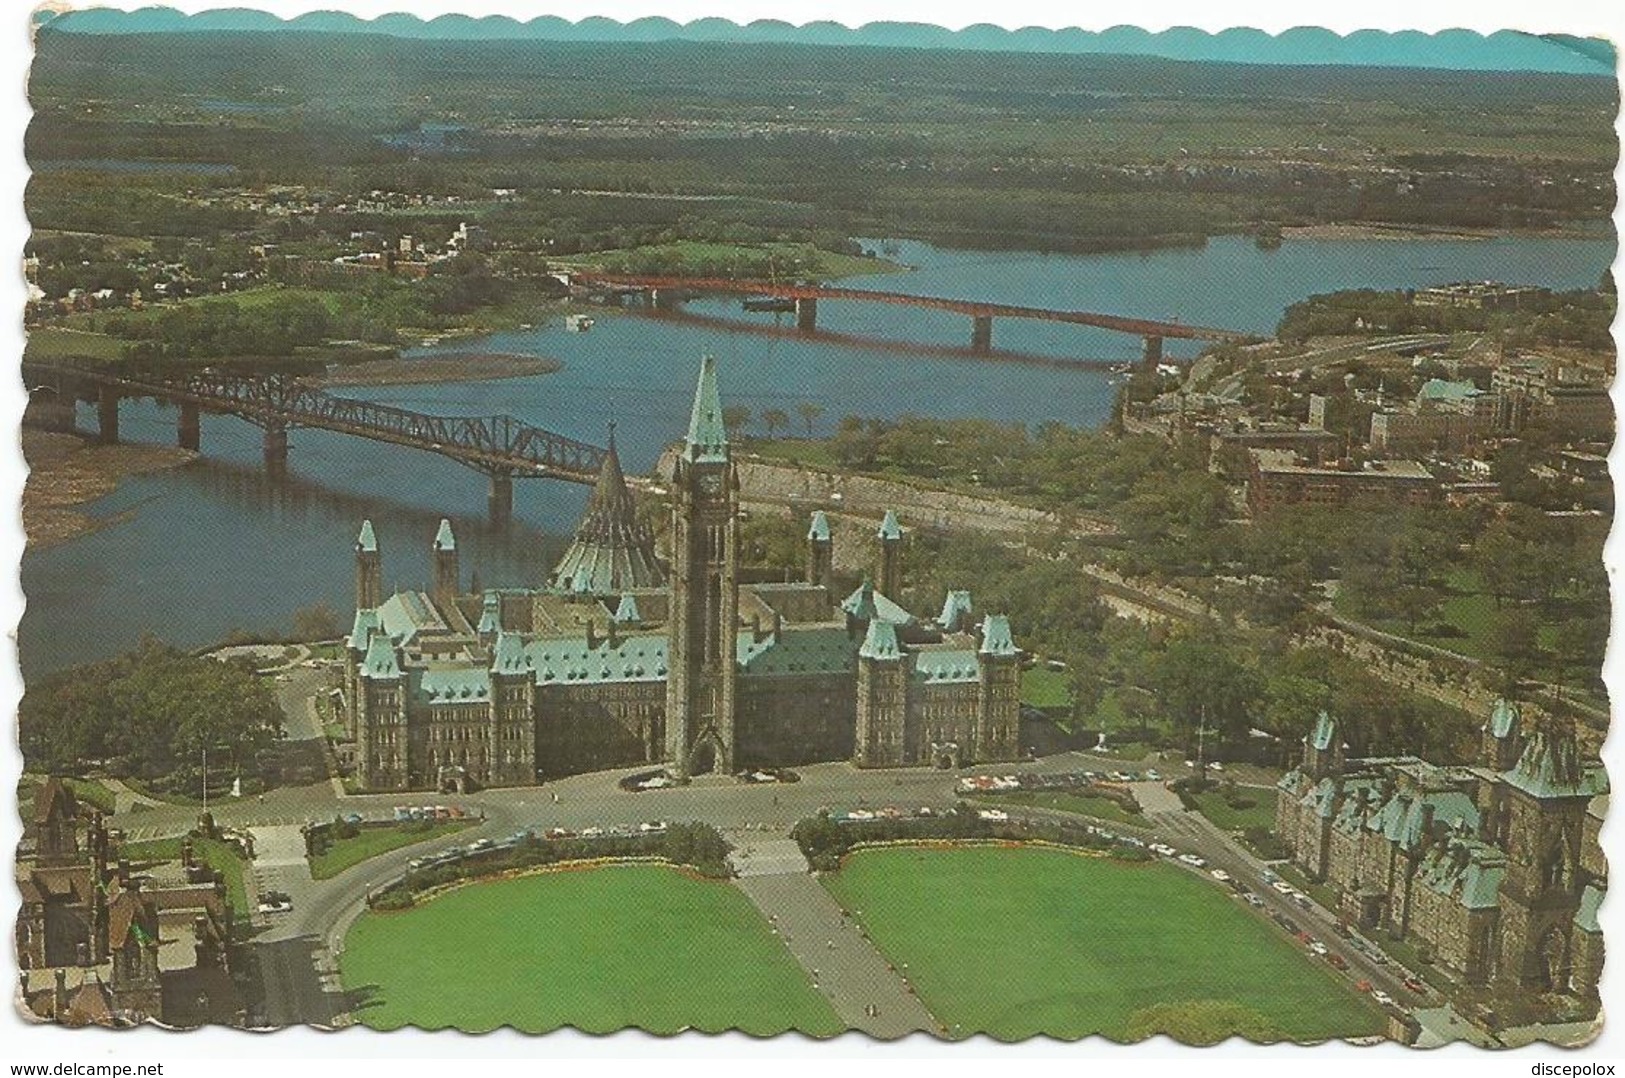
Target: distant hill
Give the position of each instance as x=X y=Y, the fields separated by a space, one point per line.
x=1462 y=50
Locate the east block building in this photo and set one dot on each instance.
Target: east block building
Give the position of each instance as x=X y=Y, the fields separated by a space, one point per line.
x=1496 y=866
x=693 y=663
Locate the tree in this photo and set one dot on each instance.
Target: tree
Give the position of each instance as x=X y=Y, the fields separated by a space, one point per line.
x=319 y=621
x=1514 y=642
x=773 y=419
x=1198 y=681
x=810 y=414
x=735 y=418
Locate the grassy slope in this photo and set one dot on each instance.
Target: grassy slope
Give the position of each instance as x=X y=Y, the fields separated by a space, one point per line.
x=220 y=856
x=372 y=841
x=1021 y=942
x=1262 y=814
x=600 y=950
x=1101 y=808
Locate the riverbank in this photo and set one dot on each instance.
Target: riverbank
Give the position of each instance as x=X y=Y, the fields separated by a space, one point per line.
x=65 y=472
x=453 y=367
x=1371 y=231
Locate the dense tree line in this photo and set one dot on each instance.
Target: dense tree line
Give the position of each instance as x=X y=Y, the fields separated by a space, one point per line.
x=1580 y=318
x=148 y=714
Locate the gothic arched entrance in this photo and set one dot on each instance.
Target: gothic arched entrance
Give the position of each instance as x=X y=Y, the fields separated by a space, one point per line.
x=707 y=755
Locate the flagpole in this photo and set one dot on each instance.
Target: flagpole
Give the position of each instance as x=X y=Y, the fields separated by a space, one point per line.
x=205 y=778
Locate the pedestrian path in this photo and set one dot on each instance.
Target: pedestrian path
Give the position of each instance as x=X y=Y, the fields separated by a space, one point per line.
x=866 y=992
x=126 y=799
x=766 y=857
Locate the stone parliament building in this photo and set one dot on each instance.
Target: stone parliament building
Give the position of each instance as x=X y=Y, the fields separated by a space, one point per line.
x=623 y=659
x=1496 y=867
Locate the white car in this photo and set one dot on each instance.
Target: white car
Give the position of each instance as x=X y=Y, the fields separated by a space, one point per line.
x=275 y=902
x=1193 y=860
x=1382 y=997
x=1221 y=875
x=1318 y=947
x=1153 y=776
x=993 y=814
x=1282 y=887
x=1163 y=849
x=1215 y=766
x=654 y=828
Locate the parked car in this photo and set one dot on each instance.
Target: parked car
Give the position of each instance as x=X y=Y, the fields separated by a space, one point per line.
x=1382 y=997
x=1220 y=874
x=1318 y=948
x=1414 y=984
x=1337 y=961
x=1193 y=860
x=1253 y=900
x=275 y=902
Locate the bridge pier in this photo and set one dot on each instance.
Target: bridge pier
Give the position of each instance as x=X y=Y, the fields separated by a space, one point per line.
x=276 y=449
x=499 y=500
x=1153 y=353
x=107 y=415
x=189 y=429
x=981 y=334
x=807 y=314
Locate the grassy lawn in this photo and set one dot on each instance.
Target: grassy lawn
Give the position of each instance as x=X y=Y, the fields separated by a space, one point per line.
x=600 y=949
x=1018 y=942
x=54 y=342
x=1045 y=688
x=1212 y=805
x=1101 y=808
x=371 y=841
x=220 y=856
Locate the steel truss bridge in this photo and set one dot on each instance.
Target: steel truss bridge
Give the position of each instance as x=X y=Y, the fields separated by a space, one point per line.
x=500 y=447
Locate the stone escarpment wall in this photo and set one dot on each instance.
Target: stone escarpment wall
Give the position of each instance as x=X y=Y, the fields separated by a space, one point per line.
x=771 y=482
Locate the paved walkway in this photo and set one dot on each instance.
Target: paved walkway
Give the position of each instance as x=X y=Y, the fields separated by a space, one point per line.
x=279 y=865
x=841 y=961
x=126 y=799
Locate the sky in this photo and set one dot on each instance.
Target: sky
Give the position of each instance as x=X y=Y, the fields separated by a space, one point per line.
x=1505 y=50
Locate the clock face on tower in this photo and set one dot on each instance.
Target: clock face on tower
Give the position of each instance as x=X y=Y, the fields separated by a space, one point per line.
x=711 y=483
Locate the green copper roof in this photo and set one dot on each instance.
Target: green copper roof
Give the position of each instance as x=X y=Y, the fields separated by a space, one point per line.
x=1503 y=719
x=881 y=641
x=453 y=685
x=996 y=638
x=867 y=604
x=366 y=623
x=810 y=650
x=955 y=608
x=889 y=528
x=1550 y=767
x=406 y=614
x=626 y=611
x=380 y=661
x=569 y=661
x=443 y=539
x=939 y=666
x=819 y=531
x=490 y=614
x=1585 y=918
x=612 y=549
x=1439 y=389
x=1324 y=733
x=707 y=437
x=366 y=542
x=509 y=656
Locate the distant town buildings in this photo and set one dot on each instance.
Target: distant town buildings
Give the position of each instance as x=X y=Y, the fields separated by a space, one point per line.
x=1281 y=477
x=1481 y=295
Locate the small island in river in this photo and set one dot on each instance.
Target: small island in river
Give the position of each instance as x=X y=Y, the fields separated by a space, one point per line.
x=458 y=367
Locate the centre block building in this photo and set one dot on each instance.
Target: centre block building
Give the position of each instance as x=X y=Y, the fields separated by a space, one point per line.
x=623 y=659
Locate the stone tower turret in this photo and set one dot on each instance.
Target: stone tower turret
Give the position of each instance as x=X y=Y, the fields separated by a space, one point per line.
x=369 y=571
x=890 y=574
x=820 y=550
x=1501 y=737
x=882 y=728
x=447 y=580
x=998 y=699
x=703 y=622
x=1323 y=749
x=382 y=758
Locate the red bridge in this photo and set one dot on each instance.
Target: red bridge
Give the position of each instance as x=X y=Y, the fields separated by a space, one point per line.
x=663 y=291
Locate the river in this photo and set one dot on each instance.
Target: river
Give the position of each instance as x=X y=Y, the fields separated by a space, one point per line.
x=215 y=546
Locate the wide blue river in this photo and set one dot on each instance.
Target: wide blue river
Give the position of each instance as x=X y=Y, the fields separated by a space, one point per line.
x=213 y=547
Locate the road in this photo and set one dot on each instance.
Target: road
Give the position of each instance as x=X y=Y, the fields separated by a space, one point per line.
x=297 y=954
